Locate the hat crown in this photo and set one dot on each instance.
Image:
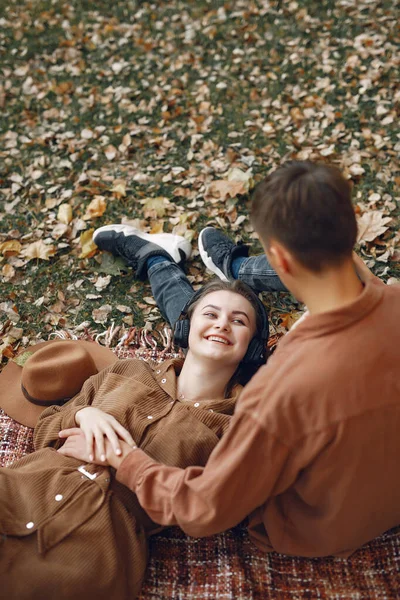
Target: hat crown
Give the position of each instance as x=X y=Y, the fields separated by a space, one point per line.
x=56 y=372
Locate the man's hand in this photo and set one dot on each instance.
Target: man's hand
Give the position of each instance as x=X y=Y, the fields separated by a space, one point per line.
x=115 y=460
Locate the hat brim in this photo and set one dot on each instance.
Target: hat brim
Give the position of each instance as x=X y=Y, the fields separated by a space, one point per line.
x=13 y=401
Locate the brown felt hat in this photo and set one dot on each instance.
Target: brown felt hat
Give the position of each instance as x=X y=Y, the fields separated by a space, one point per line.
x=48 y=373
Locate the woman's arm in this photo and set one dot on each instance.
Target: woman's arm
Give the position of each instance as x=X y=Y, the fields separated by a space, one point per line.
x=55 y=418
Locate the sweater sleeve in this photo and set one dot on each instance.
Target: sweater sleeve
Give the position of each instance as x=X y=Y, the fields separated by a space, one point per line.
x=55 y=418
x=207 y=500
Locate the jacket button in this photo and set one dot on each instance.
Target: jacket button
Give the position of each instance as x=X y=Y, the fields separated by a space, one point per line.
x=163 y=380
x=149 y=417
x=30 y=525
x=158 y=371
x=197 y=404
x=58 y=497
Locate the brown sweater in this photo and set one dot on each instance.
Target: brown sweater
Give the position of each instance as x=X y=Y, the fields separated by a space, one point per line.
x=313 y=450
x=79 y=533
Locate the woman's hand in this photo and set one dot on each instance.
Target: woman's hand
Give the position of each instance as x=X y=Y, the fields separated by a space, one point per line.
x=75 y=447
x=98 y=425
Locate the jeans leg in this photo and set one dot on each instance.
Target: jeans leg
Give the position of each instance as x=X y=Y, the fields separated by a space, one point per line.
x=259 y=275
x=171 y=289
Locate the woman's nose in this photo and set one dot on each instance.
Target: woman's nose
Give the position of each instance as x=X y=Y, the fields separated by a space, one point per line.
x=223 y=324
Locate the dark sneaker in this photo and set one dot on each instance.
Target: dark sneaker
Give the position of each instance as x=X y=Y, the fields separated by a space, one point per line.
x=217 y=252
x=136 y=246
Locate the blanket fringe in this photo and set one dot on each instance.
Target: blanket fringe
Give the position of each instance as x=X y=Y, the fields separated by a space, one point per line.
x=135 y=342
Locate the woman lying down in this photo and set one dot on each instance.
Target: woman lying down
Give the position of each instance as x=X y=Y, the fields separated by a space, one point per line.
x=69 y=528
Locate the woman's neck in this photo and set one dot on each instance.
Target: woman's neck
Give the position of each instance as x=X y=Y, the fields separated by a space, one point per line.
x=202 y=380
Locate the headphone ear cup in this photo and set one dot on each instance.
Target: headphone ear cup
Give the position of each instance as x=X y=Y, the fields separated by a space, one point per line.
x=256 y=352
x=181 y=332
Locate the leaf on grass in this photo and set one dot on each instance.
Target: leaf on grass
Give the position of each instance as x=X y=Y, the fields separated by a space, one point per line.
x=10 y=248
x=102 y=282
x=8 y=272
x=100 y=315
x=246 y=177
x=157 y=227
x=38 y=250
x=219 y=191
x=155 y=207
x=237 y=182
x=371 y=225
x=111 y=265
x=119 y=188
x=64 y=214
x=124 y=309
x=110 y=152
x=96 y=208
x=88 y=246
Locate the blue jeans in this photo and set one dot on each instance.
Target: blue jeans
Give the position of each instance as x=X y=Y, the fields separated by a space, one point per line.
x=172 y=289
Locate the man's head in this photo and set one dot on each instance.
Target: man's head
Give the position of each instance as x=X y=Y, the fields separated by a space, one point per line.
x=305 y=208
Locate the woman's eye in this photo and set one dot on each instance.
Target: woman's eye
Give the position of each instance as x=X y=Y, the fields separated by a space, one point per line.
x=239 y=321
x=210 y=314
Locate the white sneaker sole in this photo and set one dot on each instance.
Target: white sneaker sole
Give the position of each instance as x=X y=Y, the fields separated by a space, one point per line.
x=208 y=261
x=167 y=241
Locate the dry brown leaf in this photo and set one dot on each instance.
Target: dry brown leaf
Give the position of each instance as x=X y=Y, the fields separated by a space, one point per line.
x=119 y=188
x=219 y=191
x=38 y=250
x=96 y=208
x=155 y=207
x=64 y=214
x=8 y=272
x=110 y=152
x=89 y=248
x=371 y=225
x=150 y=300
x=100 y=315
x=10 y=248
x=102 y=282
x=246 y=177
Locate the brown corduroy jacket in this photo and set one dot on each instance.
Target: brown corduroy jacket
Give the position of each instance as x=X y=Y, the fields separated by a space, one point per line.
x=72 y=527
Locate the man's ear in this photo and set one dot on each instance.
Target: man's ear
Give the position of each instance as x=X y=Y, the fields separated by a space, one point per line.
x=280 y=258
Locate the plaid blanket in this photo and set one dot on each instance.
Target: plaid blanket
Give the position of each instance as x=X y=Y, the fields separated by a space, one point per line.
x=229 y=567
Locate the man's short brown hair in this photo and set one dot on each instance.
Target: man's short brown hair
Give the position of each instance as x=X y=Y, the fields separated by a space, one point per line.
x=307 y=207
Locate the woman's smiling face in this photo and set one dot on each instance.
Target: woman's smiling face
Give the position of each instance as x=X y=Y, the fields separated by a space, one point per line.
x=221 y=327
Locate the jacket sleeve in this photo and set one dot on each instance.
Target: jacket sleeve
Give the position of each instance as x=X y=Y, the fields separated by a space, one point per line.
x=241 y=474
x=55 y=418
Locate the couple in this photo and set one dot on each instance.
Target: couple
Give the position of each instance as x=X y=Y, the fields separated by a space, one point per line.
x=312 y=449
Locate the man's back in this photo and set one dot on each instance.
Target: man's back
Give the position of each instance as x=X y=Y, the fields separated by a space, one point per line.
x=331 y=394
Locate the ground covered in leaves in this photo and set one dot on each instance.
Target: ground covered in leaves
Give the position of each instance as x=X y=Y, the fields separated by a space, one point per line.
x=164 y=114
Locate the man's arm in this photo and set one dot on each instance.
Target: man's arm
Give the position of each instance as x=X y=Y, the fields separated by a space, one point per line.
x=241 y=474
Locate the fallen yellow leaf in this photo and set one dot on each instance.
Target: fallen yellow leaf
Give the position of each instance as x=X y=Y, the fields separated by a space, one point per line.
x=10 y=248
x=96 y=208
x=157 y=227
x=88 y=246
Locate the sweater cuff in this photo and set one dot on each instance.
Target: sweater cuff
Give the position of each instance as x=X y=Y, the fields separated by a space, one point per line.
x=131 y=470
